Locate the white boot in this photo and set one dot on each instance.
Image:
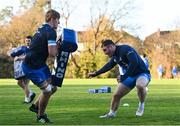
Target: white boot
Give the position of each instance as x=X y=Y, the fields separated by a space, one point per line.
x=140 y=110
x=111 y=114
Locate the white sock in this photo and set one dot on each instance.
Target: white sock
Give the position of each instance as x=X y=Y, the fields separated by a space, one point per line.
x=141 y=105
x=112 y=112
x=30 y=93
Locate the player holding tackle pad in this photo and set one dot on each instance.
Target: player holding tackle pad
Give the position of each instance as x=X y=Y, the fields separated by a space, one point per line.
x=43 y=45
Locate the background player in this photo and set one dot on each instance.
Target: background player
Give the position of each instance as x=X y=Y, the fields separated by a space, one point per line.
x=19 y=54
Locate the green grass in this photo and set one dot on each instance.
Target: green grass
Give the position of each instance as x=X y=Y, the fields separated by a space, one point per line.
x=73 y=105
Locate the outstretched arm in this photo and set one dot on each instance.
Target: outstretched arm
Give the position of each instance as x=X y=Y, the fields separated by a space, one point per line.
x=108 y=66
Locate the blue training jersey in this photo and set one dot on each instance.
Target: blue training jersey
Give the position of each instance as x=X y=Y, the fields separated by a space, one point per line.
x=127 y=58
x=38 y=49
x=21 y=50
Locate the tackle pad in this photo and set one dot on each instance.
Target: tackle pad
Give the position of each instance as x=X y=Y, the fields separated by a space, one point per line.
x=18 y=72
x=19 y=51
x=68 y=44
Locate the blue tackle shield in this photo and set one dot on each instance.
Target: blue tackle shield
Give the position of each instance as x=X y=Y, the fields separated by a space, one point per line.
x=69 y=40
x=18 y=72
x=68 y=44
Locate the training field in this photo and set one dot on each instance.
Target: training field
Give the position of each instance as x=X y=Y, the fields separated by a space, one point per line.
x=73 y=105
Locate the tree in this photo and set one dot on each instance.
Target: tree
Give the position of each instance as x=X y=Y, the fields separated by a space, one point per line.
x=24 y=24
x=6 y=14
x=103 y=21
x=29 y=18
x=163 y=47
x=102 y=26
x=66 y=9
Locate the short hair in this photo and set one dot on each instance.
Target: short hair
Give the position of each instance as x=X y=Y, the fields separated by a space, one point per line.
x=106 y=42
x=51 y=14
x=29 y=37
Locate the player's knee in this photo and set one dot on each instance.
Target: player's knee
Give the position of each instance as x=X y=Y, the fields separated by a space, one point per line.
x=141 y=82
x=140 y=87
x=47 y=89
x=21 y=84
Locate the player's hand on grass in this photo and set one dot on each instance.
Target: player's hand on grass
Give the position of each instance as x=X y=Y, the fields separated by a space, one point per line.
x=92 y=74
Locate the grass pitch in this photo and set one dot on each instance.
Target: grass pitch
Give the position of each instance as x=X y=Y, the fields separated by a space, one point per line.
x=73 y=105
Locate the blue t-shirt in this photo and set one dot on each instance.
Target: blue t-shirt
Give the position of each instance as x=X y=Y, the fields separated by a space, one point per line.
x=160 y=69
x=38 y=49
x=127 y=58
x=174 y=70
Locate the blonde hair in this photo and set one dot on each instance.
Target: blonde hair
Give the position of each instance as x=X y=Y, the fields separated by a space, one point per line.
x=51 y=14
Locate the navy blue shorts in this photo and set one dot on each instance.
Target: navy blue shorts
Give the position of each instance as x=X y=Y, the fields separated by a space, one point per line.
x=131 y=81
x=37 y=76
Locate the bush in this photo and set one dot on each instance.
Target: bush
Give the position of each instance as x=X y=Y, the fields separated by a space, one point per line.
x=6 y=67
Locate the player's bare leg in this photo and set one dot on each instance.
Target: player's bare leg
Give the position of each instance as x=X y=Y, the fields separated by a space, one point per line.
x=29 y=95
x=121 y=91
x=141 y=85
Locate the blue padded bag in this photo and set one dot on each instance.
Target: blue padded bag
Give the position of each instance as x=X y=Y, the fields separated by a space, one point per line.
x=69 y=40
